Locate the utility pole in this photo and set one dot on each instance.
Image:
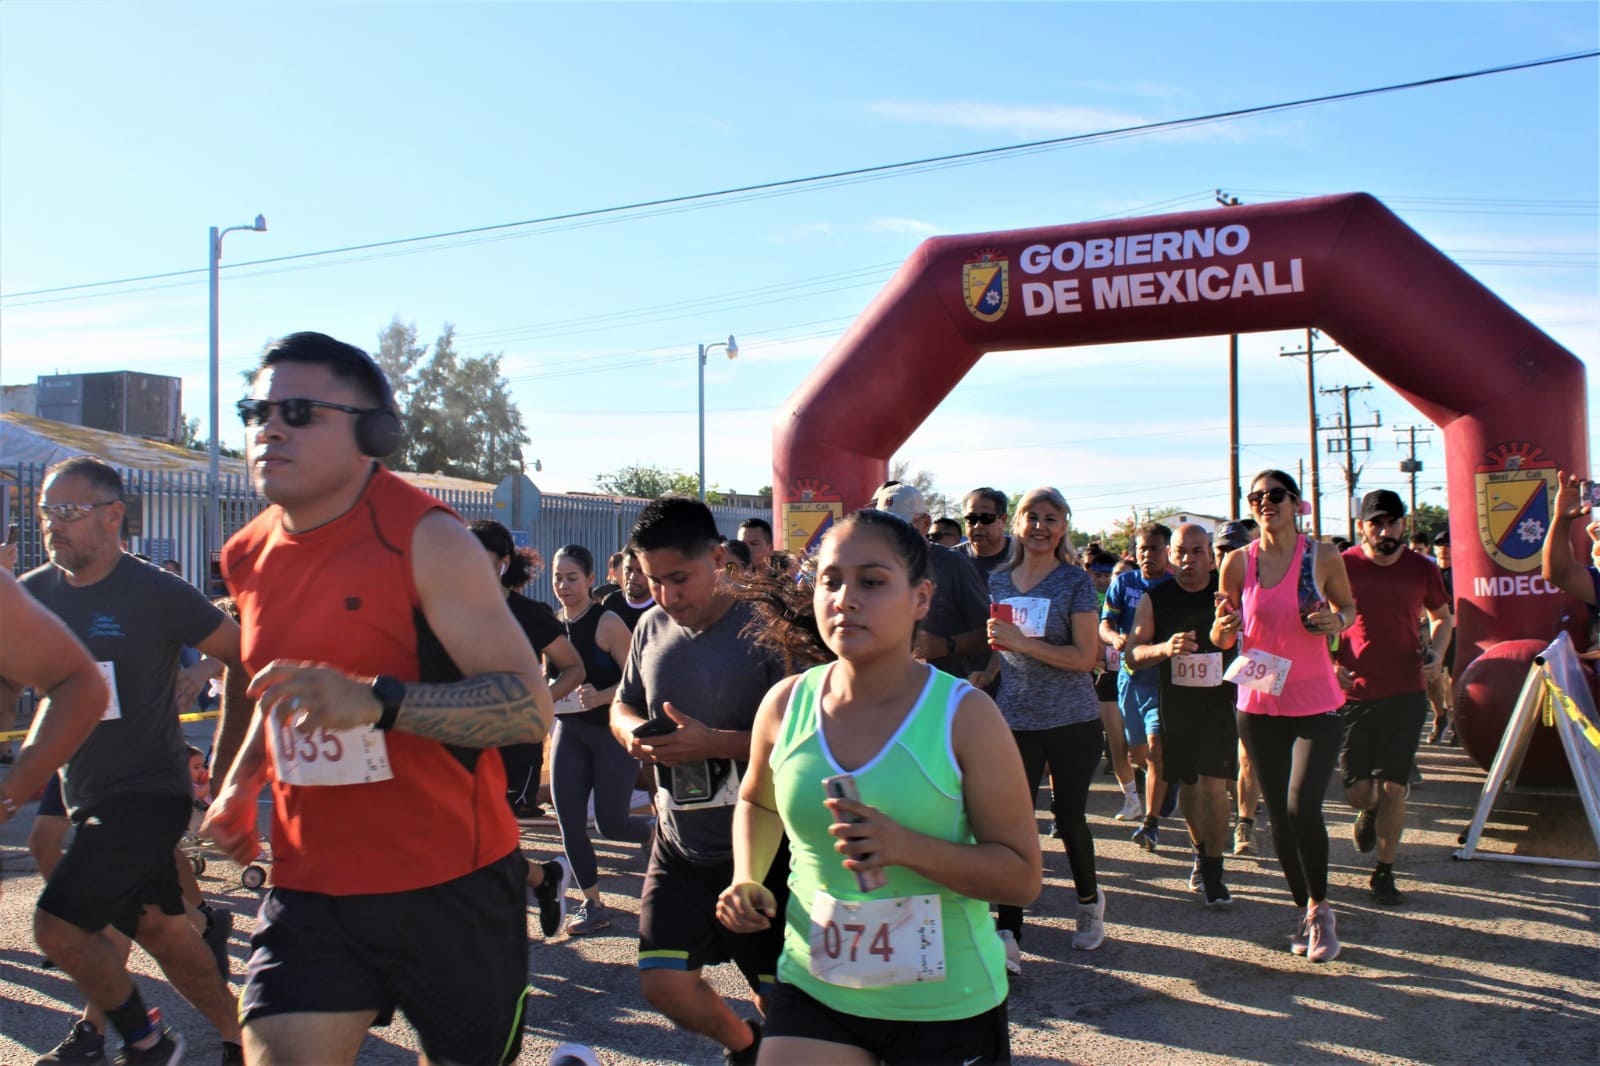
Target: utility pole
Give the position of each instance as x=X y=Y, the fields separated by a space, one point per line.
x=1351 y=474
x=1311 y=352
x=1236 y=490
x=1412 y=466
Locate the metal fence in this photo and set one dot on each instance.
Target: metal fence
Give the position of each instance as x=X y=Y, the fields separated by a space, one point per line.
x=168 y=515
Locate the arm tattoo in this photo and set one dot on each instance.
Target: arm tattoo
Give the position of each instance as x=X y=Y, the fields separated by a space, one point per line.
x=486 y=711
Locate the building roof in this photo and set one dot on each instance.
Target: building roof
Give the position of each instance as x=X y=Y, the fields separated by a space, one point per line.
x=27 y=439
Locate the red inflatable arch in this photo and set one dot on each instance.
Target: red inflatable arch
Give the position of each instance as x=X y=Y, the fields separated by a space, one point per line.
x=1510 y=401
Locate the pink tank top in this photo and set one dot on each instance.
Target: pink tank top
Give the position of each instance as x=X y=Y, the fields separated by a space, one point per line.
x=1272 y=624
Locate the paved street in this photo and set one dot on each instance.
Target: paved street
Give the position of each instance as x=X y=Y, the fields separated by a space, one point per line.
x=1487 y=963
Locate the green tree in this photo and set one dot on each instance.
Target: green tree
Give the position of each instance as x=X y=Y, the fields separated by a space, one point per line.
x=648 y=482
x=457 y=411
x=939 y=505
x=1431 y=519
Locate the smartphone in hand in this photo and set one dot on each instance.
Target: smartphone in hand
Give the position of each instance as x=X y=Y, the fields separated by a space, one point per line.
x=843 y=786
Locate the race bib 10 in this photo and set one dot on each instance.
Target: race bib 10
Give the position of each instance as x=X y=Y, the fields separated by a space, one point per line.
x=1260 y=670
x=876 y=942
x=357 y=756
x=1197 y=670
x=1029 y=614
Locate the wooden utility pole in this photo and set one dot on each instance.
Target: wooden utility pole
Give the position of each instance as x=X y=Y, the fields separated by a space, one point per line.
x=1311 y=352
x=1236 y=490
x=1352 y=475
x=1412 y=466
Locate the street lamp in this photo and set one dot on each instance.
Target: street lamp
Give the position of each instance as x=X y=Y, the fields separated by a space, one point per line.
x=733 y=353
x=213 y=485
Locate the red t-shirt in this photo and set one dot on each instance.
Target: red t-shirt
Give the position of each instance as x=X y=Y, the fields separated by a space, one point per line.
x=343 y=594
x=1383 y=650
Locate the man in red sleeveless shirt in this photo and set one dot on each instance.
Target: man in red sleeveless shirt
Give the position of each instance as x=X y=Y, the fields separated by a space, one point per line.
x=397 y=881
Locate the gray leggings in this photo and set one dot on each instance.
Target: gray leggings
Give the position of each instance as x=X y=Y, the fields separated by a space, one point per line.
x=585 y=758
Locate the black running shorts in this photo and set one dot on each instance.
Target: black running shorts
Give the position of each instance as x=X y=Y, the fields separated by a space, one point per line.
x=452 y=957
x=1199 y=742
x=982 y=1038
x=678 y=927
x=1381 y=736
x=120 y=860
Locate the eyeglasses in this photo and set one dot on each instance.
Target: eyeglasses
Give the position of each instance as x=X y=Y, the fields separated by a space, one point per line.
x=981 y=519
x=70 y=512
x=1270 y=495
x=295 y=411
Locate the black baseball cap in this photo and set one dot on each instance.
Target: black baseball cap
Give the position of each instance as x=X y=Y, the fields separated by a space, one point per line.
x=1232 y=536
x=1382 y=503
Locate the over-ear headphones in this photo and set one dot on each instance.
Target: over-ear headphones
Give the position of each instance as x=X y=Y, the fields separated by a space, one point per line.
x=378 y=431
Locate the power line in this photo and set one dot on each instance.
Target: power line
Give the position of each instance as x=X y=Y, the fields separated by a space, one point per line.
x=857 y=173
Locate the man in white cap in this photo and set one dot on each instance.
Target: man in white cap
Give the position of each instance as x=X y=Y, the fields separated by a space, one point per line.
x=953 y=636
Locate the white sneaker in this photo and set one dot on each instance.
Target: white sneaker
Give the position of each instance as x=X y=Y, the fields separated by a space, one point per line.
x=1324 y=943
x=1196 y=882
x=1132 y=807
x=1091 y=924
x=1013 y=953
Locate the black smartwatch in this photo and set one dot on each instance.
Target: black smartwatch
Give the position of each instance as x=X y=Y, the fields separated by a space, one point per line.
x=391 y=693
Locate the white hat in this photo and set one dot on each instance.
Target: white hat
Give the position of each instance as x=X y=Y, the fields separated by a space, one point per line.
x=903 y=501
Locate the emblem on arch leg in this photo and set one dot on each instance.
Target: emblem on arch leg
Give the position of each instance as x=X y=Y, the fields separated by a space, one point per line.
x=1515 y=487
x=985 y=285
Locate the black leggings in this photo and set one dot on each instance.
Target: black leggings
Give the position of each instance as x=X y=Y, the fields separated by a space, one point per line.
x=1072 y=753
x=1293 y=758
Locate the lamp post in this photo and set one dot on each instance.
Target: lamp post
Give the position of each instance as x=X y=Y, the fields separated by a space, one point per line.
x=733 y=353
x=213 y=484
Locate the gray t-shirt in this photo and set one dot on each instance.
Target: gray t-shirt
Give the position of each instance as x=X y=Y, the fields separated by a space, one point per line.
x=1034 y=695
x=960 y=604
x=137 y=619
x=719 y=677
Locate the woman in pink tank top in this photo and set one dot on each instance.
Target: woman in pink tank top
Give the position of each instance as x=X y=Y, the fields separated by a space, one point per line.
x=1281 y=607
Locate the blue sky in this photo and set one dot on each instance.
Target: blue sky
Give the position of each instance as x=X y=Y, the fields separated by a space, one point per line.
x=127 y=130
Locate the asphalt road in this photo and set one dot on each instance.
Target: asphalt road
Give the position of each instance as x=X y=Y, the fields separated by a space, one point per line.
x=1487 y=962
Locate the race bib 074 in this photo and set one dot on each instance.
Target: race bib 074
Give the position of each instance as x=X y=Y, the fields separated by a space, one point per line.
x=875 y=942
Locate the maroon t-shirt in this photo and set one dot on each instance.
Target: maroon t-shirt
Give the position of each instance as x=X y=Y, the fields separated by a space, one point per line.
x=1383 y=649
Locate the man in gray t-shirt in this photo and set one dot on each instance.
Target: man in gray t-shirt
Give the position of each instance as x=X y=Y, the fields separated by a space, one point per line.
x=127 y=786
x=693 y=683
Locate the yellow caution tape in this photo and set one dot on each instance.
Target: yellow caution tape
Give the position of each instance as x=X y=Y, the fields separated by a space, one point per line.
x=1579 y=719
x=198 y=716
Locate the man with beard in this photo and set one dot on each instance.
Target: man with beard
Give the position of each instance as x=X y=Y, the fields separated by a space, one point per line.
x=1172 y=631
x=1383 y=669
x=633 y=599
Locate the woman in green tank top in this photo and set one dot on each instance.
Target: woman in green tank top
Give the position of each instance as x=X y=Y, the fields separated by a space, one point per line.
x=889 y=952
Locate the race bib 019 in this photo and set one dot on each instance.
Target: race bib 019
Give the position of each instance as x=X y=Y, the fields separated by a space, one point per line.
x=1029 y=614
x=1197 y=670
x=1259 y=670
x=357 y=756
x=875 y=942
x=113 y=708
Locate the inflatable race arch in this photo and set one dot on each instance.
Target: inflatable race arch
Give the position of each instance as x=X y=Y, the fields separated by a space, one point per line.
x=1509 y=400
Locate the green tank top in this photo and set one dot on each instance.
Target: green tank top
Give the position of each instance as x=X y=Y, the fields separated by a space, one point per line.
x=915 y=781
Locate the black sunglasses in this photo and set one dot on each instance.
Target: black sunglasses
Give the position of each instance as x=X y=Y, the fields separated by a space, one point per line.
x=1271 y=495
x=296 y=411
x=981 y=519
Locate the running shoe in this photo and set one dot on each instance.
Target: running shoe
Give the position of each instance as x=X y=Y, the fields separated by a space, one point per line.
x=219 y=927
x=1170 y=803
x=1196 y=881
x=1013 y=953
x=1244 y=837
x=551 y=895
x=747 y=1057
x=1300 y=939
x=1384 y=890
x=1221 y=901
x=168 y=1051
x=1147 y=837
x=1091 y=924
x=84 y=1046
x=1365 y=831
x=1324 y=943
x=573 y=1055
x=1132 y=807
x=590 y=917
x=528 y=813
